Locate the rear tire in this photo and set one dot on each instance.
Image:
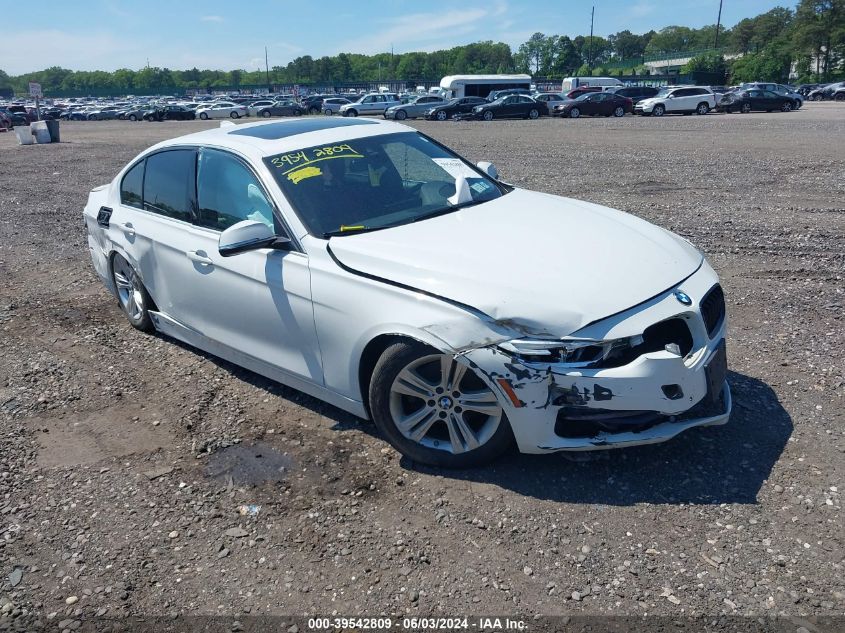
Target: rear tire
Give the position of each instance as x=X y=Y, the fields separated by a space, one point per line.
x=478 y=438
x=786 y=107
x=266 y=114
x=702 y=108
x=746 y=108
x=619 y=111
x=132 y=296
x=132 y=117
x=533 y=113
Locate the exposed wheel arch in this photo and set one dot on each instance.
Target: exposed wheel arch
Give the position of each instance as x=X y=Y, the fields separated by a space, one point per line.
x=370 y=356
x=119 y=253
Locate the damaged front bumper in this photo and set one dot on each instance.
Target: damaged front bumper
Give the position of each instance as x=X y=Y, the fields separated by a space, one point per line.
x=553 y=406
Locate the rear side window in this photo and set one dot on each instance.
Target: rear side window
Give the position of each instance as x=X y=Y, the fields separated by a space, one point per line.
x=130 y=186
x=169 y=184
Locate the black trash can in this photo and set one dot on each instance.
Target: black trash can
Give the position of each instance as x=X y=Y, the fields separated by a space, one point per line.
x=53 y=128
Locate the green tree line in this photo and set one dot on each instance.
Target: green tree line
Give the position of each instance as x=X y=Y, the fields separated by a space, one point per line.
x=760 y=48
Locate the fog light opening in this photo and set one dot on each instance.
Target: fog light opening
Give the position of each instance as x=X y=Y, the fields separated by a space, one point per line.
x=673 y=392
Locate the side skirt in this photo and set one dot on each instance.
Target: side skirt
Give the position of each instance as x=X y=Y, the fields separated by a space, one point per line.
x=170 y=327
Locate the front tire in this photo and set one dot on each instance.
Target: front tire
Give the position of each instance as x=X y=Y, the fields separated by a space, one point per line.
x=351 y=113
x=574 y=113
x=234 y=115
x=401 y=115
x=132 y=296
x=441 y=115
x=436 y=411
x=488 y=115
x=203 y=116
x=746 y=108
x=132 y=117
x=658 y=110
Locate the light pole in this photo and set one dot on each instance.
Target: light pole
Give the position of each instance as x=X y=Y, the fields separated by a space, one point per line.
x=718 y=24
x=267 y=71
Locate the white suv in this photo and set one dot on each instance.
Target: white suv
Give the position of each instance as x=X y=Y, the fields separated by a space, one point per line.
x=373 y=103
x=678 y=100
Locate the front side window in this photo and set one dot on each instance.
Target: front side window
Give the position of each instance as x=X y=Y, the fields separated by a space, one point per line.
x=228 y=192
x=131 y=187
x=169 y=184
x=375 y=182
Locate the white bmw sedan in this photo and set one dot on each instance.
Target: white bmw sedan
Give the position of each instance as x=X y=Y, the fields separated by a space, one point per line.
x=368 y=265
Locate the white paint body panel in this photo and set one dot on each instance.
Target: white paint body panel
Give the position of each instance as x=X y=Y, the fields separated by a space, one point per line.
x=461 y=283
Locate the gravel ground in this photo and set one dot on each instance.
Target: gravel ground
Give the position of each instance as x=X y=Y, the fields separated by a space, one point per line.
x=138 y=476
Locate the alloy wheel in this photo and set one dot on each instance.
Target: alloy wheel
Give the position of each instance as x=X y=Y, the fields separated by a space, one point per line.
x=129 y=289
x=442 y=404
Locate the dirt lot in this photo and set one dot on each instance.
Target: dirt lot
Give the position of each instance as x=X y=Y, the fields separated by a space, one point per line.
x=124 y=458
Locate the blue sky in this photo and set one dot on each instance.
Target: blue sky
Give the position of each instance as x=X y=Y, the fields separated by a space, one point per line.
x=110 y=34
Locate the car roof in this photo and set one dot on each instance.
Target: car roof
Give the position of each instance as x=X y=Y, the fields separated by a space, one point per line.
x=276 y=137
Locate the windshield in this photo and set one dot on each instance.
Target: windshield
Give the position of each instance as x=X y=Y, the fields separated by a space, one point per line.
x=585 y=96
x=664 y=92
x=375 y=182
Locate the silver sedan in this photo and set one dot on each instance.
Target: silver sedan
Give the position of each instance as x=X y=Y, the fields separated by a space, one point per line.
x=416 y=107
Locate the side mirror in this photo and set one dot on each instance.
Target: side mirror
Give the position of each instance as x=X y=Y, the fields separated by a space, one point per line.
x=249 y=235
x=489 y=169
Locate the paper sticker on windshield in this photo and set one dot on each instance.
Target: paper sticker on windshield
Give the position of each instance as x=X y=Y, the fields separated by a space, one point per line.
x=455 y=167
x=481 y=186
x=296 y=160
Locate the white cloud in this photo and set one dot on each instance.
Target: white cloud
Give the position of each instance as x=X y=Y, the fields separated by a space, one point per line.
x=641 y=9
x=69 y=50
x=212 y=18
x=418 y=31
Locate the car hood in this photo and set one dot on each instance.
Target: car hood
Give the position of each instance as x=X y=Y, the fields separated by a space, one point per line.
x=540 y=264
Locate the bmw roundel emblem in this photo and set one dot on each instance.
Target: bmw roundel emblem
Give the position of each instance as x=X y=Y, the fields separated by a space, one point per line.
x=683 y=297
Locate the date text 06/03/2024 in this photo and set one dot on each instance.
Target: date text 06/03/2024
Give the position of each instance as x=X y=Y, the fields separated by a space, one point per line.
x=417 y=623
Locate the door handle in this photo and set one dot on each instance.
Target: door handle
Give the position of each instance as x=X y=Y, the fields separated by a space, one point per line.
x=200 y=257
x=128 y=229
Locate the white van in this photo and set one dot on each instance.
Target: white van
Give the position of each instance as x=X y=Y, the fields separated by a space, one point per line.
x=460 y=86
x=571 y=83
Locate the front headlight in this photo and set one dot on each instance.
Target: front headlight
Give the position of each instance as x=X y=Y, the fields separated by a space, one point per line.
x=572 y=351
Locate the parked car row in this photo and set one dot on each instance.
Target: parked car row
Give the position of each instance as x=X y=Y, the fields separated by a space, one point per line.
x=823 y=92
x=583 y=100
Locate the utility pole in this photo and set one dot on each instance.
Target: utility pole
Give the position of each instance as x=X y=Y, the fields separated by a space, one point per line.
x=267 y=70
x=592 y=18
x=718 y=24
